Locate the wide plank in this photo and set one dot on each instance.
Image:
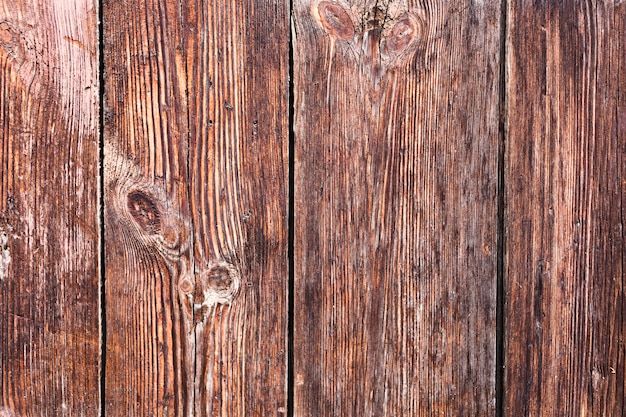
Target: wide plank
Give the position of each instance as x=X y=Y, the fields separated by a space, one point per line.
x=196 y=177
x=396 y=209
x=565 y=183
x=49 y=230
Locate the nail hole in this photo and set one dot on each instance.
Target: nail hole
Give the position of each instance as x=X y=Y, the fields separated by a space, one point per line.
x=145 y=212
x=336 y=20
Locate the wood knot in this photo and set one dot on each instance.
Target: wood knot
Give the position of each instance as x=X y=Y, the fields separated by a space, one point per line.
x=381 y=37
x=219 y=284
x=401 y=35
x=220 y=278
x=186 y=286
x=145 y=212
x=335 y=19
x=11 y=41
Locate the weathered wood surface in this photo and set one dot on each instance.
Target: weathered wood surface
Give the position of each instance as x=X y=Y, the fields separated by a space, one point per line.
x=396 y=211
x=238 y=63
x=565 y=187
x=196 y=192
x=49 y=330
x=396 y=173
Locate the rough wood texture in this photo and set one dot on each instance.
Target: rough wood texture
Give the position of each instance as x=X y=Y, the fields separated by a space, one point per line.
x=396 y=175
x=565 y=206
x=196 y=207
x=237 y=58
x=49 y=330
x=149 y=318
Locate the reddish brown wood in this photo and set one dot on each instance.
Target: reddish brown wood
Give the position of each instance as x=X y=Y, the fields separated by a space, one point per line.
x=49 y=330
x=237 y=56
x=149 y=318
x=196 y=178
x=565 y=184
x=395 y=212
x=396 y=130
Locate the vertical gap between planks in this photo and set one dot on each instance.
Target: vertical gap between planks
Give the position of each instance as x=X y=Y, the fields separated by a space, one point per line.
x=290 y=223
x=500 y=291
x=101 y=259
x=620 y=50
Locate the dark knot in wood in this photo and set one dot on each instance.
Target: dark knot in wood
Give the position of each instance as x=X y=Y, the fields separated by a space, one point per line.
x=401 y=35
x=386 y=36
x=336 y=20
x=186 y=286
x=145 y=212
x=219 y=284
x=220 y=278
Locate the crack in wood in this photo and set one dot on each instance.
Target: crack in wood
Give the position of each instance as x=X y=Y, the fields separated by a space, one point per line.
x=5 y=254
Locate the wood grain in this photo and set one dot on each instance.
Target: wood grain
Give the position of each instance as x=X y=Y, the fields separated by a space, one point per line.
x=565 y=186
x=149 y=310
x=237 y=61
x=196 y=176
x=396 y=174
x=49 y=272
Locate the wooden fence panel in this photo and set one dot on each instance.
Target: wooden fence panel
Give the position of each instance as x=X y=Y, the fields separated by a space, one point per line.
x=49 y=158
x=400 y=190
x=396 y=208
x=565 y=186
x=196 y=192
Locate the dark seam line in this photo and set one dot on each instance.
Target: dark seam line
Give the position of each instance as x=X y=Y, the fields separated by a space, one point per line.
x=188 y=181
x=621 y=198
x=500 y=269
x=291 y=219
x=103 y=328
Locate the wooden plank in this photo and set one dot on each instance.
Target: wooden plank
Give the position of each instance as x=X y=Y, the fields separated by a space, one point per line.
x=396 y=173
x=49 y=273
x=564 y=213
x=149 y=318
x=238 y=63
x=196 y=207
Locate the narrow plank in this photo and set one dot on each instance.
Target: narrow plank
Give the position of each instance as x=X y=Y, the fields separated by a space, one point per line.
x=149 y=313
x=49 y=272
x=564 y=216
x=196 y=207
x=238 y=63
x=396 y=173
